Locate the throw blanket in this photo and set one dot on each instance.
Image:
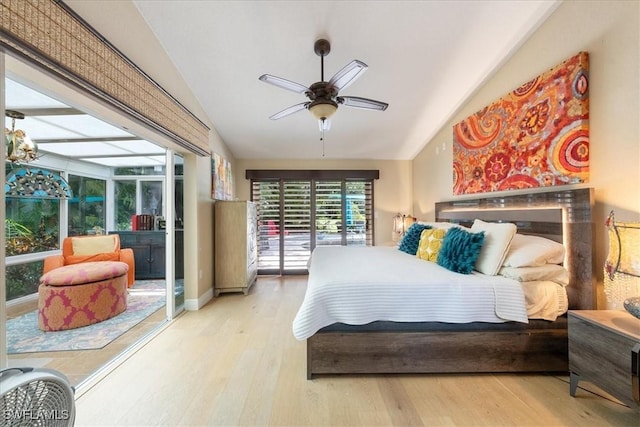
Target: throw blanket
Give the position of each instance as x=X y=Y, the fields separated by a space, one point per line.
x=358 y=285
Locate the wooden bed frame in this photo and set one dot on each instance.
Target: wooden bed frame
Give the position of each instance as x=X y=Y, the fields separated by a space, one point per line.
x=540 y=346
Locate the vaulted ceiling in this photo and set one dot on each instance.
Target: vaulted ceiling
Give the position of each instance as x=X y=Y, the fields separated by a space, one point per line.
x=425 y=58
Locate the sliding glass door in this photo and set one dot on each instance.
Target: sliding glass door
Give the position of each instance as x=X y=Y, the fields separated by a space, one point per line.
x=112 y=178
x=297 y=215
x=268 y=195
x=344 y=212
x=177 y=270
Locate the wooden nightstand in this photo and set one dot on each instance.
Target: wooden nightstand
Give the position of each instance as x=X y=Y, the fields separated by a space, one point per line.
x=604 y=347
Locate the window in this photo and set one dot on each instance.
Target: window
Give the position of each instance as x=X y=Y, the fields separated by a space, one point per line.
x=87 y=206
x=139 y=193
x=32 y=226
x=128 y=193
x=151 y=198
x=125 y=203
x=299 y=210
x=23 y=279
x=140 y=170
x=32 y=223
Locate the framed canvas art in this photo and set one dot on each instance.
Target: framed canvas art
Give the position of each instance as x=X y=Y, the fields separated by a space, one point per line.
x=535 y=136
x=221 y=178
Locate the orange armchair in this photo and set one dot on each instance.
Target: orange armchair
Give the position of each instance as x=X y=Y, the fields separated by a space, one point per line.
x=79 y=249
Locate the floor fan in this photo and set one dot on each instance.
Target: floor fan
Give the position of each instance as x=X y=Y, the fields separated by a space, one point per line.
x=36 y=397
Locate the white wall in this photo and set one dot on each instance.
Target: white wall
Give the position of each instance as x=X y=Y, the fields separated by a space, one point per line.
x=610 y=32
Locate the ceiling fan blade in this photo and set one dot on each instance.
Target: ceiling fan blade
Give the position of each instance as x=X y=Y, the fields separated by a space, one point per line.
x=324 y=125
x=290 y=110
x=283 y=83
x=348 y=74
x=364 y=103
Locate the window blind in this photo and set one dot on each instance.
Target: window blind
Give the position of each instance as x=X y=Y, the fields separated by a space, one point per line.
x=295 y=215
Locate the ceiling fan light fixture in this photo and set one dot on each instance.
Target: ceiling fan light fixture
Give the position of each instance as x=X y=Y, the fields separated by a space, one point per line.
x=323 y=96
x=323 y=109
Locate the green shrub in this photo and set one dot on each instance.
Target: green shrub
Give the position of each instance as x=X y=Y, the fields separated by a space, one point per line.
x=22 y=279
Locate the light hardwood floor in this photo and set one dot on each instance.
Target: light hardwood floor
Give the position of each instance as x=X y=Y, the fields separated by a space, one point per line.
x=235 y=362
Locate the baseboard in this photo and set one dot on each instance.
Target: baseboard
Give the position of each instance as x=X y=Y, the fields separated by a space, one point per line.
x=197 y=304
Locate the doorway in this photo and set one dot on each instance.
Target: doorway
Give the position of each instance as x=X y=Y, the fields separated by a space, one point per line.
x=297 y=215
x=86 y=151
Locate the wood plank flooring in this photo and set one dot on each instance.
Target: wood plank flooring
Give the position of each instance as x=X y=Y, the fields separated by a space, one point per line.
x=235 y=362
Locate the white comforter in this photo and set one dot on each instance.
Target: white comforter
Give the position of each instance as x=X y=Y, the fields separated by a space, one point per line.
x=359 y=285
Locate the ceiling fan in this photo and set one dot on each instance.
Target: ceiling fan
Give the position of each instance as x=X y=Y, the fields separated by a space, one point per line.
x=323 y=96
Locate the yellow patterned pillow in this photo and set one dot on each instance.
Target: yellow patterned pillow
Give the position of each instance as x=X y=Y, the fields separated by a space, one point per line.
x=430 y=243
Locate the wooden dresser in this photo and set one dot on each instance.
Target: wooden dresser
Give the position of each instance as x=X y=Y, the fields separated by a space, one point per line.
x=236 y=252
x=604 y=347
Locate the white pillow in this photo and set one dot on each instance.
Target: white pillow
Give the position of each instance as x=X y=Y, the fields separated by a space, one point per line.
x=552 y=272
x=497 y=239
x=532 y=251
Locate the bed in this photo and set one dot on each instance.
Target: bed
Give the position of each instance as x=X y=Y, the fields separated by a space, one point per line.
x=502 y=339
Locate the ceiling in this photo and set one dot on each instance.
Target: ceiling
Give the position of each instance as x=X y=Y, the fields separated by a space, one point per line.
x=425 y=59
x=59 y=129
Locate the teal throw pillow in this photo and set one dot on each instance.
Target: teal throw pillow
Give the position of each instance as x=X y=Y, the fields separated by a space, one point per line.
x=411 y=238
x=460 y=250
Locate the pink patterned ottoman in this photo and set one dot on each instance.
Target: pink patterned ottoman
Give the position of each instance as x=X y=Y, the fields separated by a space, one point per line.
x=81 y=294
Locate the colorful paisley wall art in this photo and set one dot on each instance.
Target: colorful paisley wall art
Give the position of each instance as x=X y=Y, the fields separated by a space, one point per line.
x=535 y=136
